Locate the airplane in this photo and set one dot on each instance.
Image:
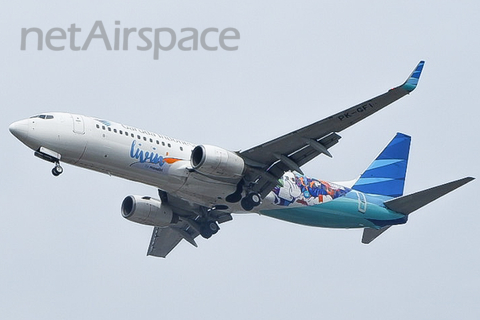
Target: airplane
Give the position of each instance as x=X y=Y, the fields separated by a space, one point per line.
x=201 y=186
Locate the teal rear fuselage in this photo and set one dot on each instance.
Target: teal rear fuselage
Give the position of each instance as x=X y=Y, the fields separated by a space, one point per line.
x=317 y=203
x=313 y=202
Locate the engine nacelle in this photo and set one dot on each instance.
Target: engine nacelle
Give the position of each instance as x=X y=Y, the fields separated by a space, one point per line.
x=217 y=162
x=149 y=211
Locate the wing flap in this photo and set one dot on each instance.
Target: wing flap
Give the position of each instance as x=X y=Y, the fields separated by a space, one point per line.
x=163 y=241
x=300 y=157
x=166 y=239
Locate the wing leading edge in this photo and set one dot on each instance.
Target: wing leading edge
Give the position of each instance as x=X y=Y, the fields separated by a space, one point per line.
x=270 y=160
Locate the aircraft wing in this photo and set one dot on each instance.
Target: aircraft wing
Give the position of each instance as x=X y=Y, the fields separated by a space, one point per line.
x=269 y=161
x=165 y=239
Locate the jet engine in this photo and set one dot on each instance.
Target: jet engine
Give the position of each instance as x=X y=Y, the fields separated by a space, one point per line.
x=149 y=211
x=217 y=162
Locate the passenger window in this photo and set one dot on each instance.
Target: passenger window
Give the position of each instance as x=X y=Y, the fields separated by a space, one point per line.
x=144 y=139
x=138 y=137
x=103 y=127
x=98 y=127
x=181 y=148
x=115 y=130
x=163 y=143
x=151 y=140
x=109 y=129
x=158 y=142
x=169 y=145
x=121 y=132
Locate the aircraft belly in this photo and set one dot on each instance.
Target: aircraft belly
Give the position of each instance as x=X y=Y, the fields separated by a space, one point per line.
x=206 y=191
x=339 y=213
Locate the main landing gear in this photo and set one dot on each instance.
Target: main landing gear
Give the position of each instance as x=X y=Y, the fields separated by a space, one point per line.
x=207 y=221
x=250 y=201
x=50 y=156
x=57 y=170
x=208 y=229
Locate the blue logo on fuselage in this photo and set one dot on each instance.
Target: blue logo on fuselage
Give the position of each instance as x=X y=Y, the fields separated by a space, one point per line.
x=105 y=122
x=145 y=156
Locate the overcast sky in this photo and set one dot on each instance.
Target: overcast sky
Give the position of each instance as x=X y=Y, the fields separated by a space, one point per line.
x=68 y=254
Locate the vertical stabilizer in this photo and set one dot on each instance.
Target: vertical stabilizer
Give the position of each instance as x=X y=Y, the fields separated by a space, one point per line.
x=386 y=174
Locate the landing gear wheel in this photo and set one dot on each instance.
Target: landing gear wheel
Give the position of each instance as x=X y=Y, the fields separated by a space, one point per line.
x=57 y=170
x=208 y=229
x=246 y=204
x=250 y=201
x=254 y=198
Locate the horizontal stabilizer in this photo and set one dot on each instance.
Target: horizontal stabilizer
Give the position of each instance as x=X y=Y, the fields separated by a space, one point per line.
x=409 y=203
x=370 y=234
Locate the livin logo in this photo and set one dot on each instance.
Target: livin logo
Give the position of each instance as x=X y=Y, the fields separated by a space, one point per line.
x=148 y=157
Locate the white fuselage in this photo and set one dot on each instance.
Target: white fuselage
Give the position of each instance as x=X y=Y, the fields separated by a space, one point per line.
x=124 y=151
x=165 y=163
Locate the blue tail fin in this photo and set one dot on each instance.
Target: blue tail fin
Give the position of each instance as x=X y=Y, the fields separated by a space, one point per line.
x=386 y=174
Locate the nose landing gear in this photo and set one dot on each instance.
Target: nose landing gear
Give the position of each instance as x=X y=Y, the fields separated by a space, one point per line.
x=50 y=156
x=57 y=170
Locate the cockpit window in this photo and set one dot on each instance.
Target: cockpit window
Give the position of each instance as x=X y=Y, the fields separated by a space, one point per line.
x=43 y=116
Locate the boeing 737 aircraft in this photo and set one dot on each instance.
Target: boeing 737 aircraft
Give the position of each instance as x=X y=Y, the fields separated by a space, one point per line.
x=200 y=186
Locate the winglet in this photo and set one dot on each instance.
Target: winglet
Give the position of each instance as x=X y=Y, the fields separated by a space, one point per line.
x=412 y=81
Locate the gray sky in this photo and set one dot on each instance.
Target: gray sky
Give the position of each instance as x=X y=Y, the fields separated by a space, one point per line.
x=68 y=254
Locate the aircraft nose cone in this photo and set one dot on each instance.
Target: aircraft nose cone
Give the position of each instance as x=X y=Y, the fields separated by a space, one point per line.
x=19 y=129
